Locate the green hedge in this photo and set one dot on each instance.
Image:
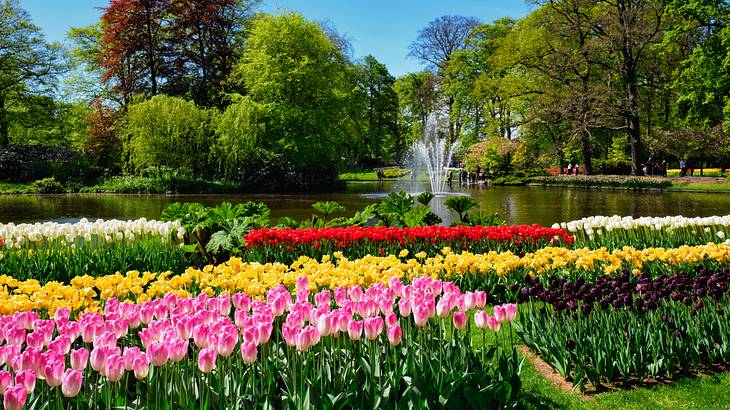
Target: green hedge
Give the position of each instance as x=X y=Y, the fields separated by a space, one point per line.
x=603 y=181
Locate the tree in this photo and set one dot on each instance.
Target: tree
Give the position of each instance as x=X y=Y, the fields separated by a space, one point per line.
x=238 y=132
x=382 y=134
x=293 y=69
x=204 y=37
x=703 y=80
x=416 y=99
x=436 y=44
x=438 y=41
x=475 y=80
x=28 y=68
x=134 y=54
x=168 y=132
x=559 y=45
x=630 y=27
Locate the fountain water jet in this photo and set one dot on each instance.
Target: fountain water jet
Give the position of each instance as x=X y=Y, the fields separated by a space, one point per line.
x=433 y=154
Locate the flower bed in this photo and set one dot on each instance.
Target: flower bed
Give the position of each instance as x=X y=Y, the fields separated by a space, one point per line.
x=53 y=251
x=616 y=231
x=285 y=245
x=407 y=344
x=628 y=327
x=500 y=274
x=603 y=181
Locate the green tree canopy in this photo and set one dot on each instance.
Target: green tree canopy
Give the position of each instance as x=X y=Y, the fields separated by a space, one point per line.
x=169 y=132
x=294 y=71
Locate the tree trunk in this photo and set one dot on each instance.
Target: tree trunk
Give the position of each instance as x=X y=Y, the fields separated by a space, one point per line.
x=585 y=142
x=4 y=139
x=633 y=123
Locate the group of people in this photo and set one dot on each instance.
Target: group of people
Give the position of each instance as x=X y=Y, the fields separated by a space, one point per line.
x=656 y=168
x=573 y=169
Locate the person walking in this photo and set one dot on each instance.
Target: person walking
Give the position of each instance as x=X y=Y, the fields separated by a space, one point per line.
x=682 y=168
x=570 y=168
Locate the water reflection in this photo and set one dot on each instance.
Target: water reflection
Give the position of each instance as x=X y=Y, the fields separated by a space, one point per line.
x=516 y=204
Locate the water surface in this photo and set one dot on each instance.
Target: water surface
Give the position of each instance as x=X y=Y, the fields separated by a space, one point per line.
x=518 y=205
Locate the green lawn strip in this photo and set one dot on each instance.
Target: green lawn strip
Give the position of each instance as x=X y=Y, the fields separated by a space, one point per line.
x=692 y=392
x=700 y=187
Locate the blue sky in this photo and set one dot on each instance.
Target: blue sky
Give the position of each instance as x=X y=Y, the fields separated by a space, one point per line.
x=383 y=28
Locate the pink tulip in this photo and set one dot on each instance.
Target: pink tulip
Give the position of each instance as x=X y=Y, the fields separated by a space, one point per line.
x=226 y=343
x=30 y=359
x=302 y=283
x=395 y=335
x=493 y=323
x=158 y=353
x=481 y=298
x=249 y=352
x=114 y=368
x=354 y=329
x=62 y=315
x=53 y=372
x=459 y=320
x=469 y=300
x=391 y=319
x=79 y=358
x=264 y=333
x=201 y=335
x=404 y=307
x=15 y=336
x=241 y=301
x=206 y=360
x=6 y=380
x=27 y=379
x=443 y=307
x=35 y=340
x=324 y=325
x=373 y=326
x=178 y=350
x=480 y=319
x=421 y=315
x=130 y=353
x=71 y=384
x=500 y=314
x=14 y=398
x=510 y=310
x=355 y=293
x=141 y=367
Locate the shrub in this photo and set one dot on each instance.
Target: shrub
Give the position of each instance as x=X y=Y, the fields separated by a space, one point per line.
x=48 y=186
x=26 y=163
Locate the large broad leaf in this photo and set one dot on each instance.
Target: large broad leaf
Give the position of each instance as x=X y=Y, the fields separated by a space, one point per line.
x=219 y=241
x=361 y=218
x=416 y=216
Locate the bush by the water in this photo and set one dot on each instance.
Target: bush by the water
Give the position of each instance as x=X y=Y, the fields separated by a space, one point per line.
x=27 y=163
x=603 y=181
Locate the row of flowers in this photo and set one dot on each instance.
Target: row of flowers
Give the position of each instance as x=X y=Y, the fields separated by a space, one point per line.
x=489 y=271
x=86 y=233
x=647 y=231
x=283 y=244
x=57 y=251
x=234 y=351
x=627 y=328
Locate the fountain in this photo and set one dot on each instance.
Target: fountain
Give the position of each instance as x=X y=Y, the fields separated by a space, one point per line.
x=433 y=153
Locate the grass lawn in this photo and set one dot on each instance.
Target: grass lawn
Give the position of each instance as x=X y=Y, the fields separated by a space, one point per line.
x=708 y=392
x=370 y=175
x=703 y=392
x=700 y=187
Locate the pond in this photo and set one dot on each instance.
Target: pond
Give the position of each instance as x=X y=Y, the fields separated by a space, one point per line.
x=518 y=205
